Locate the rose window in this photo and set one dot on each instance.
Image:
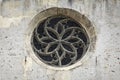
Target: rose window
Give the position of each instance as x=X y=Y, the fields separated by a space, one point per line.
x=59 y=41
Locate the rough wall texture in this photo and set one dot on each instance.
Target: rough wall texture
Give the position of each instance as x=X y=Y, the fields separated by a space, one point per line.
x=16 y=64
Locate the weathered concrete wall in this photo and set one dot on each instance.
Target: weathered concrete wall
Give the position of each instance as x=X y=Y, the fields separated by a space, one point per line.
x=16 y=64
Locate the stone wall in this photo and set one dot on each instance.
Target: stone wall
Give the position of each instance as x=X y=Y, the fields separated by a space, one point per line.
x=16 y=64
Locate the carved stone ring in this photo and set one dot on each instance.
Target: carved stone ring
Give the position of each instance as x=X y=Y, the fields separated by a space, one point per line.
x=59 y=41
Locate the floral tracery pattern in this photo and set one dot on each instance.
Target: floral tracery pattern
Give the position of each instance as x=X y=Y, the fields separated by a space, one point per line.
x=60 y=41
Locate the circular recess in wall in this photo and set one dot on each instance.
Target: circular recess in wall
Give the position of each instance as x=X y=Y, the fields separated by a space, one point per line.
x=60 y=38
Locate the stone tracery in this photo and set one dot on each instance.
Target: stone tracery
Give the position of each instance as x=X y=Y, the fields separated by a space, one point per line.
x=60 y=41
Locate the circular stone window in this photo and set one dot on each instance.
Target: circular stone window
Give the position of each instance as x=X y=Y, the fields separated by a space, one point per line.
x=60 y=38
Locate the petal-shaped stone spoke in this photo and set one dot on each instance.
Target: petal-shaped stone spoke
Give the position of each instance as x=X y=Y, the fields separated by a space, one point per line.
x=67 y=47
x=51 y=48
x=73 y=39
x=59 y=28
x=68 y=33
x=76 y=41
x=51 y=33
x=43 y=40
x=71 y=31
x=46 y=40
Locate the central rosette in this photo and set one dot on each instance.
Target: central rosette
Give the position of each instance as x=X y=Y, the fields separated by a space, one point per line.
x=59 y=40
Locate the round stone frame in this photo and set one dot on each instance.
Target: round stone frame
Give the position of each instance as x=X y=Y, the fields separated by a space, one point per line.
x=86 y=24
